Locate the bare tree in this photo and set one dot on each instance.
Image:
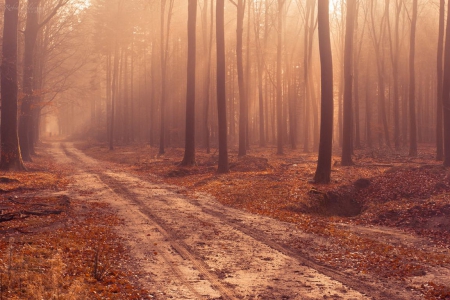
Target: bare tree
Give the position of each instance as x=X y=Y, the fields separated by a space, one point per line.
x=11 y=158
x=221 y=88
x=347 y=134
x=412 y=85
x=323 y=170
x=377 y=39
x=279 y=81
x=446 y=93
x=395 y=59
x=243 y=113
x=189 y=151
x=439 y=114
x=164 y=49
x=27 y=124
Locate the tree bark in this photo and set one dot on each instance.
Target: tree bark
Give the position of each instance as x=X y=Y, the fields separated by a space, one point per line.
x=439 y=113
x=30 y=36
x=412 y=85
x=279 y=81
x=221 y=88
x=240 y=70
x=11 y=158
x=347 y=134
x=164 y=48
x=189 y=150
x=323 y=170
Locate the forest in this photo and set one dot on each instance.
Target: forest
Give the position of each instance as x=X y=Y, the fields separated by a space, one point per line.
x=301 y=141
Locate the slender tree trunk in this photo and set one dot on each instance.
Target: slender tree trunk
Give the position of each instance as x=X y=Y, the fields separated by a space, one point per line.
x=446 y=93
x=439 y=114
x=11 y=158
x=133 y=118
x=221 y=88
x=309 y=35
x=114 y=89
x=260 y=54
x=30 y=36
x=240 y=70
x=395 y=53
x=323 y=170
x=164 y=53
x=108 y=93
x=347 y=134
x=208 y=52
x=189 y=150
x=412 y=85
x=279 y=79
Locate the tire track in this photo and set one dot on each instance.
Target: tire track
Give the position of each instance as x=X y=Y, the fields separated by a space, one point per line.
x=131 y=188
x=179 y=246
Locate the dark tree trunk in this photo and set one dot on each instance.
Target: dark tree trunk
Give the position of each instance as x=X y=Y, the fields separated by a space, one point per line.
x=11 y=158
x=208 y=52
x=30 y=36
x=243 y=123
x=189 y=151
x=308 y=48
x=446 y=94
x=395 y=53
x=347 y=134
x=323 y=170
x=164 y=53
x=260 y=54
x=439 y=115
x=221 y=96
x=114 y=92
x=412 y=85
x=279 y=81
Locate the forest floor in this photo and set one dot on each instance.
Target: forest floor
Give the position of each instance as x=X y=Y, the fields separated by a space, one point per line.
x=380 y=230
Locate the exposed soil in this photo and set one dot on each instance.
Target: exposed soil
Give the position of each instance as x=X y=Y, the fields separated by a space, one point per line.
x=380 y=230
x=263 y=231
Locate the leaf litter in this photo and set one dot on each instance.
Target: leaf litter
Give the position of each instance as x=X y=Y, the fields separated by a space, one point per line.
x=388 y=189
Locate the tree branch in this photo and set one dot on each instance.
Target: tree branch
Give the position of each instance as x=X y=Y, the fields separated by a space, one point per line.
x=60 y=4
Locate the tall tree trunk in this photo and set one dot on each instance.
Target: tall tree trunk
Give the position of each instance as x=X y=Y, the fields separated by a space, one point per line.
x=243 y=123
x=395 y=54
x=208 y=52
x=260 y=55
x=439 y=114
x=347 y=134
x=133 y=118
x=114 y=92
x=248 y=78
x=279 y=79
x=308 y=47
x=126 y=100
x=323 y=170
x=446 y=93
x=108 y=93
x=114 y=83
x=377 y=42
x=221 y=88
x=164 y=49
x=189 y=150
x=412 y=85
x=30 y=36
x=11 y=158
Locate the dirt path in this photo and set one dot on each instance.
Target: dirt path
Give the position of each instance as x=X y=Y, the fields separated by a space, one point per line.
x=199 y=249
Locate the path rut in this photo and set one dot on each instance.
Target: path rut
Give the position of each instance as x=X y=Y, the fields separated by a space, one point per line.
x=198 y=249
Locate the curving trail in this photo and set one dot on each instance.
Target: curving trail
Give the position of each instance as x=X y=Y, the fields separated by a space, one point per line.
x=198 y=249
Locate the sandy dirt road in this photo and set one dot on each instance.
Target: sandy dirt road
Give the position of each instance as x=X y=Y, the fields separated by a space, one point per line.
x=198 y=249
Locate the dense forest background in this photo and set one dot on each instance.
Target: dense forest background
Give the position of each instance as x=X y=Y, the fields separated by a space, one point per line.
x=116 y=71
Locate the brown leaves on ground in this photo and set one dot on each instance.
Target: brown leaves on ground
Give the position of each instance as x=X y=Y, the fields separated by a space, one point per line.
x=383 y=188
x=54 y=247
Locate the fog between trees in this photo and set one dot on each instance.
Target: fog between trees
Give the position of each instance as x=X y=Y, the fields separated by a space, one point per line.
x=117 y=71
